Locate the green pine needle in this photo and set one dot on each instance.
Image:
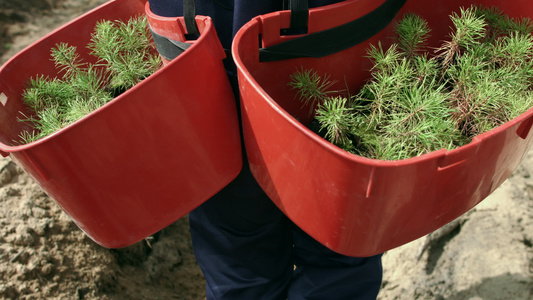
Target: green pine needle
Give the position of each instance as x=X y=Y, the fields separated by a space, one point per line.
x=413 y=33
x=336 y=118
x=311 y=88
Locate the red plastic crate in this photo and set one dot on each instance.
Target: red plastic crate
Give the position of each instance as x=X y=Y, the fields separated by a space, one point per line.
x=354 y=205
x=144 y=159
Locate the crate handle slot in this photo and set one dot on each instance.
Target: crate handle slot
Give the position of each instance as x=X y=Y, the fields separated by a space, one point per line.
x=3 y=99
x=524 y=128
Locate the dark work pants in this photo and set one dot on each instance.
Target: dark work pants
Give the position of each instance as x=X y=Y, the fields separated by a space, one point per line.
x=246 y=247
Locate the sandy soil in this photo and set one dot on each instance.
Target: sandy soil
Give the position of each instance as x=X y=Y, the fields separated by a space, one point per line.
x=486 y=254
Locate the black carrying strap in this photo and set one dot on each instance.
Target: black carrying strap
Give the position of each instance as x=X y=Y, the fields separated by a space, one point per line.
x=299 y=13
x=336 y=39
x=170 y=49
x=189 y=14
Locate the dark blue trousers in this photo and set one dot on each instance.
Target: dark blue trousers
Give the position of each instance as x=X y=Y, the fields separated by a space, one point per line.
x=246 y=247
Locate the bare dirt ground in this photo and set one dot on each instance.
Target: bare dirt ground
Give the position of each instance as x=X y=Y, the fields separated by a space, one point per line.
x=485 y=255
x=43 y=255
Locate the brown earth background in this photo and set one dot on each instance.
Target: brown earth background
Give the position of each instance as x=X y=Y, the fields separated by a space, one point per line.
x=487 y=254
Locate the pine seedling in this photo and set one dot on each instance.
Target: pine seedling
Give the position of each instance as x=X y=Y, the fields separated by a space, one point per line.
x=465 y=72
x=497 y=22
x=43 y=92
x=336 y=118
x=126 y=50
x=391 y=73
x=384 y=61
x=90 y=86
x=522 y=26
x=487 y=78
x=520 y=103
x=46 y=121
x=469 y=28
x=27 y=137
x=426 y=68
x=514 y=50
x=67 y=59
x=469 y=31
x=78 y=109
x=311 y=88
x=413 y=32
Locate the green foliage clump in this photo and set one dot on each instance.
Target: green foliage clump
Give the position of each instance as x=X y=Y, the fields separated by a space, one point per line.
x=417 y=102
x=125 y=56
x=126 y=51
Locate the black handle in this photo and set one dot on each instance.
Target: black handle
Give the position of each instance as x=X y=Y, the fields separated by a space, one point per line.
x=299 y=13
x=336 y=39
x=189 y=14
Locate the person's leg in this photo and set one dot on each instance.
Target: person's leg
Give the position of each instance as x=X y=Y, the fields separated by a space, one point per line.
x=323 y=274
x=243 y=243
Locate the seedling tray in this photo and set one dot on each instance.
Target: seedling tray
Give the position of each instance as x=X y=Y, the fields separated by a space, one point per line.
x=354 y=205
x=146 y=158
